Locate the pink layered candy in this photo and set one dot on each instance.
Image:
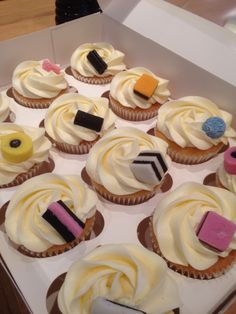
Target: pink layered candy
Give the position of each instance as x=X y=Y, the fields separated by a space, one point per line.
x=48 y=66
x=230 y=160
x=67 y=220
x=216 y=231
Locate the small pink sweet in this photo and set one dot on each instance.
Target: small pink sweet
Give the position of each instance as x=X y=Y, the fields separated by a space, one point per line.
x=216 y=231
x=230 y=160
x=48 y=66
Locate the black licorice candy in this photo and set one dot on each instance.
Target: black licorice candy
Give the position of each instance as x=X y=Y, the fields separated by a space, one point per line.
x=97 y=62
x=88 y=120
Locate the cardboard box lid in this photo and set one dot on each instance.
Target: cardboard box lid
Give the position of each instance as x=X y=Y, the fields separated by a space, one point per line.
x=201 y=42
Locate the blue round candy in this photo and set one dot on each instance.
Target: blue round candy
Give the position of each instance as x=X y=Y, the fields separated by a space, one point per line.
x=214 y=127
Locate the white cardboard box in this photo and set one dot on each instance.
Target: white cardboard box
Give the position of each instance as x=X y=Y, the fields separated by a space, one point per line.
x=164 y=55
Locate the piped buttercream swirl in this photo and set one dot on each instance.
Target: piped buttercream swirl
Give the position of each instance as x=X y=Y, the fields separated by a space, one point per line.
x=127 y=274
x=113 y=58
x=59 y=119
x=109 y=159
x=176 y=219
x=24 y=222
x=181 y=122
x=41 y=147
x=32 y=81
x=122 y=89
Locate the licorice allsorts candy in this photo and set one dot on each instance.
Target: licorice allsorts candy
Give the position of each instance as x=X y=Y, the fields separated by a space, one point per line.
x=97 y=62
x=49 y=66
x=64 y=221
x=214 y=127
x=105 y=306
x=88 y=120
x=216 y=231
x=149 y=167
x=145 y=86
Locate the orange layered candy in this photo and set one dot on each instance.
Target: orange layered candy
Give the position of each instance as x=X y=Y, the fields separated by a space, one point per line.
x=145 y=86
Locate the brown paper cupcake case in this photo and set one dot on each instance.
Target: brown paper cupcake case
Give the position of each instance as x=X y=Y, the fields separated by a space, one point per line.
x=218 y=183
x=91 y=80
x=83 y=148
x=189 y=155
x=80 y=149
x=131 y=199
x=10 y=118
x=42 y=103
x=37 y=169
x=136 y=114
x=216 y=270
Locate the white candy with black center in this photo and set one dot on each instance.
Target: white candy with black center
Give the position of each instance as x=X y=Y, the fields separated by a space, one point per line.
x=149 y=167
x=104 y=306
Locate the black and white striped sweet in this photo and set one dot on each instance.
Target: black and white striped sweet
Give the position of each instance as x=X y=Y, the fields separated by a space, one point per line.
x=149 y=167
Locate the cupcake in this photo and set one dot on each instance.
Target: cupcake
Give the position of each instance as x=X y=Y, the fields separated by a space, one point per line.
x=127 y=166
x=50 y=214
x=96 y=63
x=195 y=129
x=226 y=172
x=24 y=153
x=190 y=226
x=137 y=94
x=114 y=278
x=5 y=112
x=35 y=84
x=75 y=122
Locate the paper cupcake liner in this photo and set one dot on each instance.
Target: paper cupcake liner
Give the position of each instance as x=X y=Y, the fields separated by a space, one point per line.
x=218 y=182
x=216 y=270
x=133 y=114
x=10 y=118
x=41 y=103
x=83 y=148
x=37 y=169
x=130 y=199
x=59 y=249
x=189 y=155
x=91 y=80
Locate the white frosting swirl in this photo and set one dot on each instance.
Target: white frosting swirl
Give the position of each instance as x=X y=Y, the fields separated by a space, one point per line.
x=59 y=119
x=32 y=81
x=113 y=58
x=41 y=147
x=4 y=107
x=124 y=273
x=24 y=222
x=109 y=159
x=226 y=179
x=122 y=89
x=177 y=217
x=181 y=121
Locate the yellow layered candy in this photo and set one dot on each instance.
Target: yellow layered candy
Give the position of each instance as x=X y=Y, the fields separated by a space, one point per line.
x=16 y=147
